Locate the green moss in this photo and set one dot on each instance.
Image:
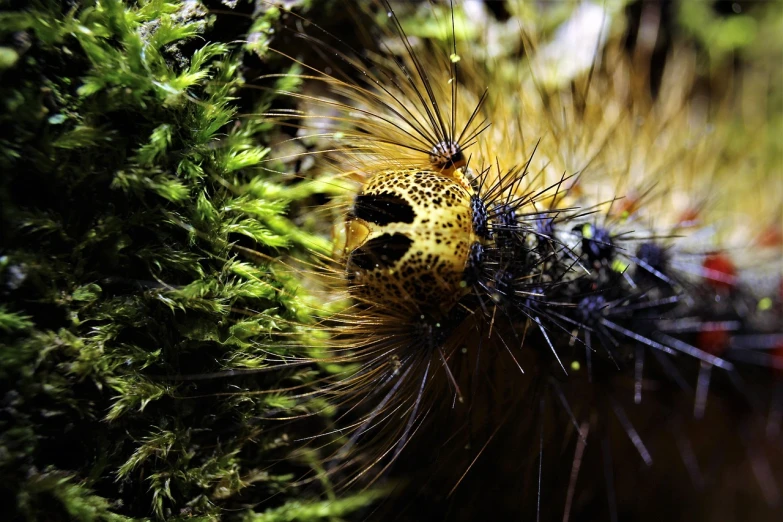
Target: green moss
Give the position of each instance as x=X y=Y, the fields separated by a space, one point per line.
x=132 y=187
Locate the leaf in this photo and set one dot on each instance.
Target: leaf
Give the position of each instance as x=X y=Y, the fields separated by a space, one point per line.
x=89 y=292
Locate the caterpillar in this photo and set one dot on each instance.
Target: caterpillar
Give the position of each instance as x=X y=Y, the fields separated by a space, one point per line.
x=541 y=324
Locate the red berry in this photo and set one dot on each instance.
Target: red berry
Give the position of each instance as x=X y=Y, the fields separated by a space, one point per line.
x=719 y=271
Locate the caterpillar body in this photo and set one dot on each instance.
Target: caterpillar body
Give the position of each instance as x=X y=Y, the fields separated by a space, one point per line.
x=541 y=326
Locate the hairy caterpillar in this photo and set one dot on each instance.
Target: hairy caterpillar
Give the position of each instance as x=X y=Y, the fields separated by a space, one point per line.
x=564 y=328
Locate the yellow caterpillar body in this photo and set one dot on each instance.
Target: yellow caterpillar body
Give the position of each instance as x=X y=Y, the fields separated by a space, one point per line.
x=528 y=326
x=409 y=239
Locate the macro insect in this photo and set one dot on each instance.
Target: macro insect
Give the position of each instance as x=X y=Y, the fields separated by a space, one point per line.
x=524 y=339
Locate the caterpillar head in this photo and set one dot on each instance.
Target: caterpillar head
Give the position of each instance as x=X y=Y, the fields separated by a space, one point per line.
x=409 y=239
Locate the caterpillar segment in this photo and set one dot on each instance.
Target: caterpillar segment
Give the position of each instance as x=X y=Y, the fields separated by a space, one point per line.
x=415 y=241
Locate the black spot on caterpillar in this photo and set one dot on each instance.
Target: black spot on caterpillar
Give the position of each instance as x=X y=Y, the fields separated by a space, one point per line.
x=525 y=342
x=382 y=209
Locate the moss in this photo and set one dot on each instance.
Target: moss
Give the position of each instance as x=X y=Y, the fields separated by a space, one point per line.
x=131 y=188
